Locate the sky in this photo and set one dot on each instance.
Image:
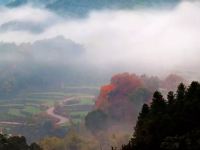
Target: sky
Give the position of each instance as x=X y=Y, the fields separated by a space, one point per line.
x=143 y=40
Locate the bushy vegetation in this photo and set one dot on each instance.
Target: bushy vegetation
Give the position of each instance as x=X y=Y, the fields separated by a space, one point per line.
x=72 y=141
x=16 y=143
x=96 y=120
x=171 y=124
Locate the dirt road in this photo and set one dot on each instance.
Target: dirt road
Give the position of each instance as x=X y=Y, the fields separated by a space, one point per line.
x=62 y=119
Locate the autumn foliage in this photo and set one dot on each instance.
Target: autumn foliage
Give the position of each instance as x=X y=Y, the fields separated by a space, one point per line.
x=114 y=99
x=122 y=99
x=105 y=90
x=126 y=83
x=121 y=85
x=172 y=81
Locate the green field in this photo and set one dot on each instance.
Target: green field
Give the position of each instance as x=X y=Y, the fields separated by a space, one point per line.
x=86 y=101
x=32 y=110
x=83 y=101
x=15 y=112
x=78 y=113
x=80 y=109
x=23 y=106
x=28 y=104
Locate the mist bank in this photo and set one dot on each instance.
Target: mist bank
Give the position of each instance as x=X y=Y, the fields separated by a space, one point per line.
x=40 y=48
x=142 y=40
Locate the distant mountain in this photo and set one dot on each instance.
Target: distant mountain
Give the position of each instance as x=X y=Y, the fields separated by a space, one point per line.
x=45 y=64
x=56 y=49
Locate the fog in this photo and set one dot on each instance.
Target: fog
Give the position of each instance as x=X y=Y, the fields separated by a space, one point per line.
x=140 y=40
x=56 y=53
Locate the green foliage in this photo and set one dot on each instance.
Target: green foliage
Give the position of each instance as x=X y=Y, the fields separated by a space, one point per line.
x=72 y=141
x=190 y=141
x=158 y=104
x=16 y=143
x=96 y=120
x=169 y=125
x=181 y=92
x=171 y=98
x=140 y=95
x=52 y=143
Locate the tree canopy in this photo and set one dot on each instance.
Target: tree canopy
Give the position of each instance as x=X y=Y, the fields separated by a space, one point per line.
x=16 y=143
x=169 y=124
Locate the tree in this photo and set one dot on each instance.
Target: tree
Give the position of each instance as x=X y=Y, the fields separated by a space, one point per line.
x=171 y=98
x=16 y=143
x=180 y=92
x=96 y=120
x=158 y=104
x=178 y=129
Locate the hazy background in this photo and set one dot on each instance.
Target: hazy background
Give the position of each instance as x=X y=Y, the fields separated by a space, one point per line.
x=145 y=37
x=52 y=50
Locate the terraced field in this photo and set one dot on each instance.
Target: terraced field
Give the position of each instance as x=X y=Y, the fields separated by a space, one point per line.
x=73 y=109
x=26 y=107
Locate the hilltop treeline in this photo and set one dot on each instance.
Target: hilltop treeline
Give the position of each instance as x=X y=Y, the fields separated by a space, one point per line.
x=169 y=124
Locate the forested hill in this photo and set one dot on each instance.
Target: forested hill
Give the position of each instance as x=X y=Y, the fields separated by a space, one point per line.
x=169 y=124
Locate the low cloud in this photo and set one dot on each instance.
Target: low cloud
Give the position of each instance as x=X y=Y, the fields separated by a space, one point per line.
x=57 y=50
x=144 y=40
x=22 y=26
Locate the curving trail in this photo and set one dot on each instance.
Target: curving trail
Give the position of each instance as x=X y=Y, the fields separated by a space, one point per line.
x=62 y=119
x=51 y=112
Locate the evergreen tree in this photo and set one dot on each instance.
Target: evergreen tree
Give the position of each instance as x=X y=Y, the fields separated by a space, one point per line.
x=171 y=98
x=158 y=104
x=180 y=92
x=169 y=126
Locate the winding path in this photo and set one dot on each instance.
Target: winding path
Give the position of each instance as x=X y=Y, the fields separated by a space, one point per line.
x=51 y=112
x=62 y=119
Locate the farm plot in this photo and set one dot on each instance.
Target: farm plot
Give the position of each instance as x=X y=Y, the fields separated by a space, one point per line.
x=78 y=108
x=28 y=105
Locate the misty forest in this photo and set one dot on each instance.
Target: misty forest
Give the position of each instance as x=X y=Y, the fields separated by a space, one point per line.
x=99 y=74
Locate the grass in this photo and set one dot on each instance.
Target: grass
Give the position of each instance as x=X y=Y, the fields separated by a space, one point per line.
x=28 y=104
x=86 y=101
x=76 y=121
x=78 y=116
x=66 y=125
x=32 y=110
x=15 y=112
x=82 y=114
